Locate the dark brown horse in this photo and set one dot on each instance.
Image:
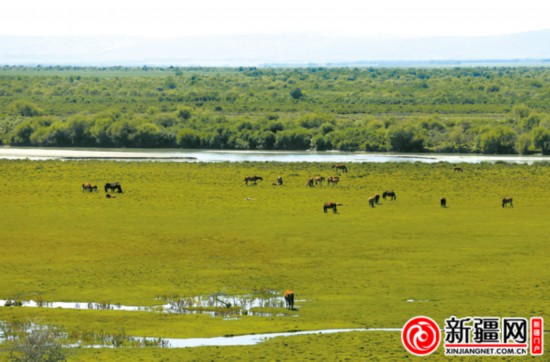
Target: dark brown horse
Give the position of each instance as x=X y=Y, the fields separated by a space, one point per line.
x=372 y=201
x=392 y=195
x=330 y=205
x=340 y=167
x=113 y=187
x=443 y=202
x=288 y=295
x=88 y=187
x=458 y=169
x=507 y=201
x=252 y=179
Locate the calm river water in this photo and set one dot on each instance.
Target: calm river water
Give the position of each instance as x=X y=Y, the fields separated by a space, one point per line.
x=180 y=155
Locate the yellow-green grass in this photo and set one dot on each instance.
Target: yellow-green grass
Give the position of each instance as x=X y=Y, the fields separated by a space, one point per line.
x=192 y=229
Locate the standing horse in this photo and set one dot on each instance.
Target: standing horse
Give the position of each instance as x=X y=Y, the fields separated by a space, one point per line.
x=88 y=187
x=392 y=195
x=253 y=179
x=372 y=201
x=319 y=180
x=507 y=201
x=113 y=187
x=330 y=205
x=458 y=169
x=340 y=166
x=288 y=295
x=280 y=180
x=443 y=202
x=333 y=180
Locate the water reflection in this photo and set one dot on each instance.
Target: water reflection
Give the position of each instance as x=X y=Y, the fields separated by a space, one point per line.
x=215 y=305
x=179 y=155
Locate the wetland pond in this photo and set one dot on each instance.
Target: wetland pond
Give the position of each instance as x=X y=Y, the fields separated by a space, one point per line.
x=216 y=305
x=181 y=155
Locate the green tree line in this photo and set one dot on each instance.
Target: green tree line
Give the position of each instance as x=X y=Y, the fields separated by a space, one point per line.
x=486 y=109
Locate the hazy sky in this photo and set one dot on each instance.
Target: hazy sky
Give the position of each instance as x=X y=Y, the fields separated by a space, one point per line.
x=361 y=18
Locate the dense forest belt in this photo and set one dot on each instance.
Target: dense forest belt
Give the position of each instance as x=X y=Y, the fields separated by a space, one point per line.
x=492 y=110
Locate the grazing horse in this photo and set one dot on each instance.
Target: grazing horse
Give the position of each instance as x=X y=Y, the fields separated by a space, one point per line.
x=458 y=169
x=389 y=194
x=113 y=187
x=443 y=202
x=372 y=201
x=280 y=180
x=253 y=179
x=88 y=187
x=507 y=201
x=330 y=205
x=289 y=299
x=377 y=199
x=340 y=166
x=333 y=180
x=319 y=180
x=310 y=182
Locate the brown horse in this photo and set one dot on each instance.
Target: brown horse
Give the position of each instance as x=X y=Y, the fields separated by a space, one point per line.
x=88 y=187
x=392 y=195
x=288 y=295
x=319 y=180
x=330 y=205
x=443 y=202
x=252 y=179
x=333 y=180
x=458 y=169
x=377 y=199
x=310 y=182
x=507 y=201
x=340 y=166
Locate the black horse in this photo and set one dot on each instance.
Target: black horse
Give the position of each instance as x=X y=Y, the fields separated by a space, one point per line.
x=507 y=201
x=392 y=195
x=289 y=299
x=253 y=179
x=443 y=202
x=330 y=205
x=372 y=201
x=113 y=187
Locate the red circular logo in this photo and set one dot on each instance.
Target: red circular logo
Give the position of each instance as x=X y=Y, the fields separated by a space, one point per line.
x=421 y=336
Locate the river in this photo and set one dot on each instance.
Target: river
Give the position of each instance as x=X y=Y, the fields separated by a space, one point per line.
x=181 y=155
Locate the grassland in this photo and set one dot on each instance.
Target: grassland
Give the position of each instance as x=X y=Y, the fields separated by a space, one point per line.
x=191 y=229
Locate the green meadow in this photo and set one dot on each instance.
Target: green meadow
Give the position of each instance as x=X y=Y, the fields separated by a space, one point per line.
x=181 y=230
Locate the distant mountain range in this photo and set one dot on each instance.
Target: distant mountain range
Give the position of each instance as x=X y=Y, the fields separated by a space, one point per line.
x=266 y=50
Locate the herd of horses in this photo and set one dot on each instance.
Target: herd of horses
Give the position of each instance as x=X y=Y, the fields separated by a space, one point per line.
x=109 y=186
x=288 y=295
x=372 y=201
